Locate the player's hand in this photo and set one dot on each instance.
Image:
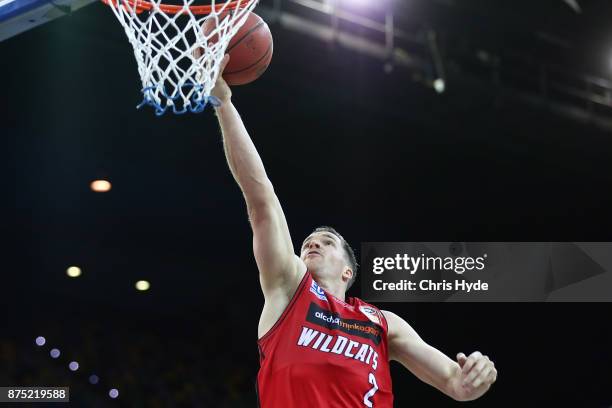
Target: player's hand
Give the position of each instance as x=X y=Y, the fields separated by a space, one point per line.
x=222 y=90
x=477 y=373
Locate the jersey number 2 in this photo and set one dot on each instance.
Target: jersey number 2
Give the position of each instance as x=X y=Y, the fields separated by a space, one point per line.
x=371 y=391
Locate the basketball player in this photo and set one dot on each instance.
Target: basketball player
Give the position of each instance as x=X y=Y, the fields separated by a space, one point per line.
x=318 y=348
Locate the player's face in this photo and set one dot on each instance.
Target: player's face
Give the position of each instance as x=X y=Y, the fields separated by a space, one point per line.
x=322 y=253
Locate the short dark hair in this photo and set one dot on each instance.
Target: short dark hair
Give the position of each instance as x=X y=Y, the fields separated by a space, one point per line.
x=350 y=254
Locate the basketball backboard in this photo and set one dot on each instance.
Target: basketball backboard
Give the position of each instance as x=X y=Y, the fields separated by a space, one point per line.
x=17 y=16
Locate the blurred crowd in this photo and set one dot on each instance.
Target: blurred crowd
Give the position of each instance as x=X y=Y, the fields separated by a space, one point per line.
x=161 y=365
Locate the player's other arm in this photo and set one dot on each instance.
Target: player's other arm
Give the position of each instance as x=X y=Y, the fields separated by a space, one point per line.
x=466 y=379
x=277 y=263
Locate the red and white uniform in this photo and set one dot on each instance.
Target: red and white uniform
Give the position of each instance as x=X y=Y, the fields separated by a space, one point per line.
x=324 y=352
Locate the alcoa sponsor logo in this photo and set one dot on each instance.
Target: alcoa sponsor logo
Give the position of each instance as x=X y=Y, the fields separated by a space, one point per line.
x=328 y=319
x=331 y=321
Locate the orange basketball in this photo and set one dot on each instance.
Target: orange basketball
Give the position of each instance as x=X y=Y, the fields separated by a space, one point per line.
x=250 y=50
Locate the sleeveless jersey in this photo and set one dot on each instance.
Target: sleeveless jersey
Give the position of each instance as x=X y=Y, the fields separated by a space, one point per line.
x=325 y=353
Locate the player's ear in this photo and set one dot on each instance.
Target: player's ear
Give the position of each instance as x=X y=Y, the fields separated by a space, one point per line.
x=347 y=274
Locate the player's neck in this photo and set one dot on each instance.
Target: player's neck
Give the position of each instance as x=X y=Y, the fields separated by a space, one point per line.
x=332 y=288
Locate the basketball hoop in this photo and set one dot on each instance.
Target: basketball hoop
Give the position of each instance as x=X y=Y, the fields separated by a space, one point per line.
x=178 y=62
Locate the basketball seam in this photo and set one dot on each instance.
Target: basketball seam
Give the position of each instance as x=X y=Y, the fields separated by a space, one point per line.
x=245 y=35
x=252 y=65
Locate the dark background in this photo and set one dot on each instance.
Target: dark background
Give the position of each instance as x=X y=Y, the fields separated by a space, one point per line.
x=379 y=156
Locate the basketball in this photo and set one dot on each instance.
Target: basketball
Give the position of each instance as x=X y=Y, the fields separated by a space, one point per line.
x=250 y=50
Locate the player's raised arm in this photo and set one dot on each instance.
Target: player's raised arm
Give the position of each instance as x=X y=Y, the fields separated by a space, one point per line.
x=464 y=380
x=274 y=254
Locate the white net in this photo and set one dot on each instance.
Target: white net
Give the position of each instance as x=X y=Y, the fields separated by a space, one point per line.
x=178 y=61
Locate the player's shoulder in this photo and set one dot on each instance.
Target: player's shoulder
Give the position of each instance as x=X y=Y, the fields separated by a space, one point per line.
x=392 y=318
x=363 y=304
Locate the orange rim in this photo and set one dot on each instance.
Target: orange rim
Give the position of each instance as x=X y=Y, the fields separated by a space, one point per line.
x=142 y=5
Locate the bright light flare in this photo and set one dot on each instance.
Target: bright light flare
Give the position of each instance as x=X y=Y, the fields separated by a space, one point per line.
x=359 y=3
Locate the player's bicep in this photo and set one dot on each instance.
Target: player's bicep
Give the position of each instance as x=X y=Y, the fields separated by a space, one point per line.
x=408 y=348
x=404 y=341
x=272 y=246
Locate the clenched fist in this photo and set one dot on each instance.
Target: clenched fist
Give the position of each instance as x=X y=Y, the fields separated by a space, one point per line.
x=477 y=374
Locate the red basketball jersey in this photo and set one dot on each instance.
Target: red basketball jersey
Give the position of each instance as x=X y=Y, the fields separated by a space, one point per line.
x=325 y=353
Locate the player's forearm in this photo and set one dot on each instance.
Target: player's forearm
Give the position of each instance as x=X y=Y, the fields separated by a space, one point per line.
x=436 y=369
x=242 y=156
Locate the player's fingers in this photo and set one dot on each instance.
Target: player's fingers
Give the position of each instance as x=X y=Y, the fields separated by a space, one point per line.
x=471 y=360
x=482 y=377
x=477 y=368
x=224 y=62
x=477 y=354
x=461 y=359
x=493 y=375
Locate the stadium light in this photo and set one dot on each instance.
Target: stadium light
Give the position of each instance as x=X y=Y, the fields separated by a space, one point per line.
x=73 y=365
x=100 y=186
x=54 y=353
x=439 y=85
x=143 y=285
x=40 y=341
x=73 y=271
x=113 y=393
